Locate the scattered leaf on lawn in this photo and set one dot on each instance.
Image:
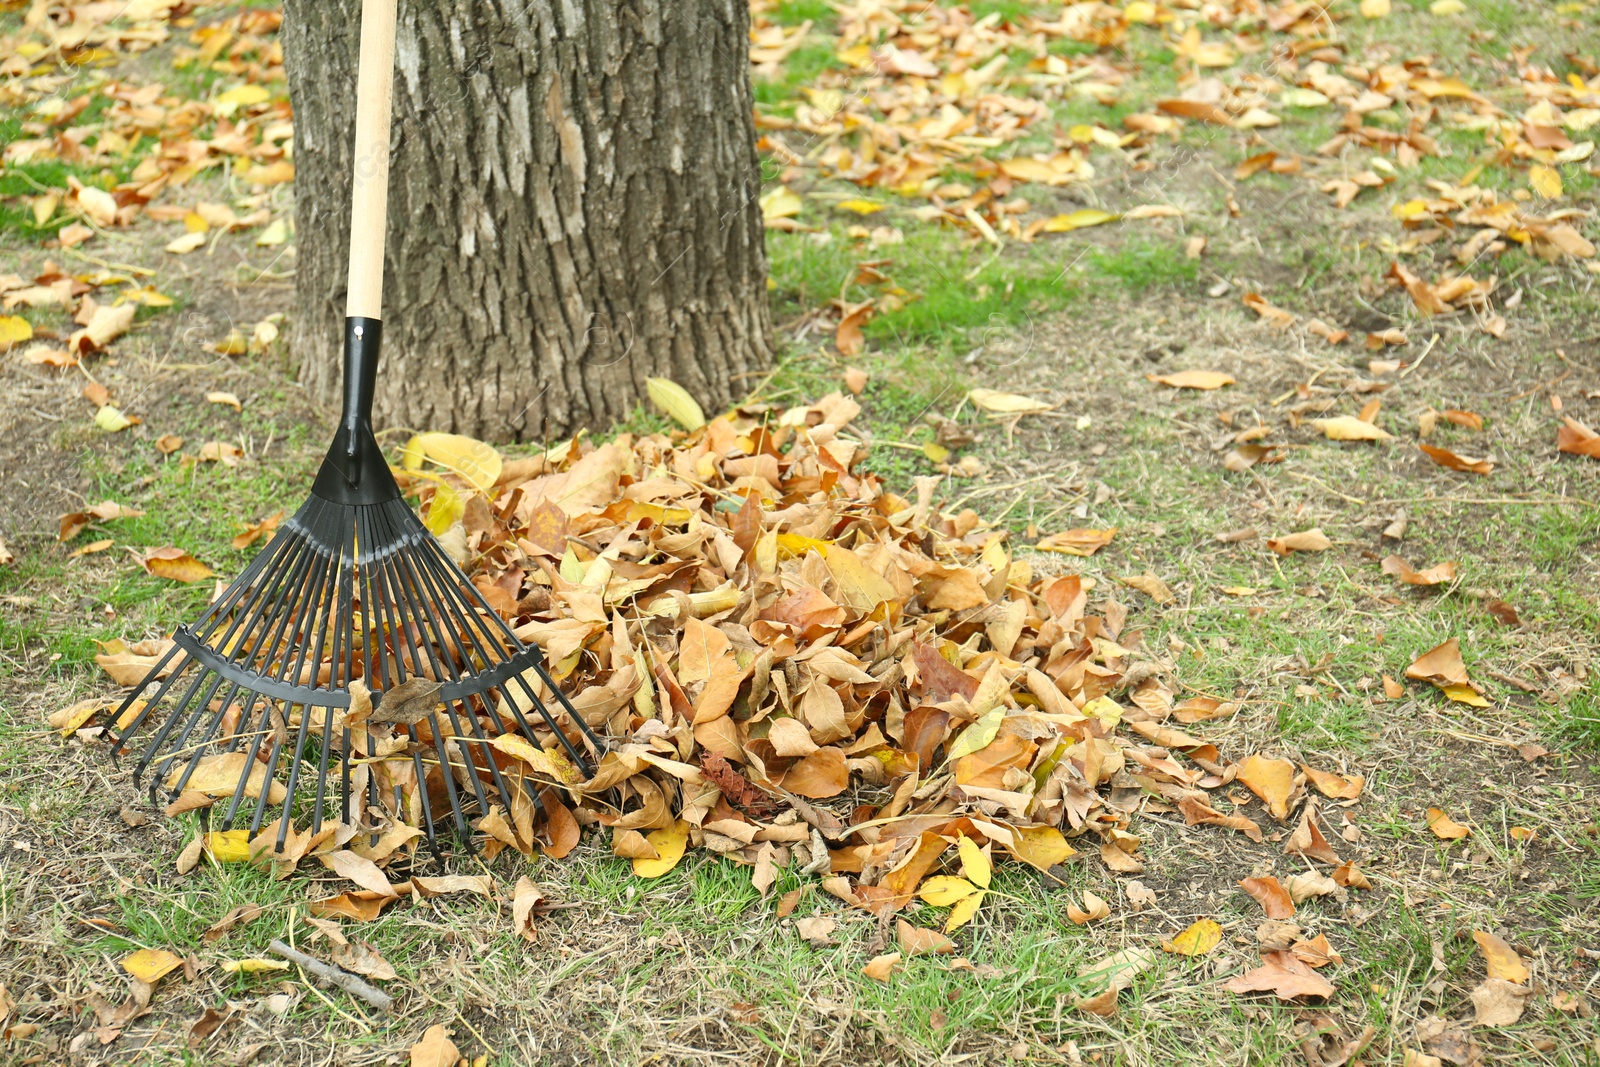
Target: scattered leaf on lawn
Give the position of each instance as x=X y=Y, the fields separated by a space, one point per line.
x=1193 y=379
x=480 y=464
x=880 y=967
x=1199 y=939
x=1312 y=540
x=176 y=564
x=1498 y=1002
x=1284 y=976
x=1350 y=428
x=1435 y=575
x=916 y=941
x=1333 y=785
x=1441 y=665
x=1451 y=460
x=435 y=1049
x=150 y=965
x=1501 y=959
x=1078 y=220
x=225 y=399
x=1444 y=827
x=1094 y=908
x=1576 y=439
x=997 y=403
x=1271 y=895
x=254 y=965
x=1080 y=542
x=1270 y=779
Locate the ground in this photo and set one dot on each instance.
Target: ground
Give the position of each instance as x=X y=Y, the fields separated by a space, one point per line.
x=695 y=967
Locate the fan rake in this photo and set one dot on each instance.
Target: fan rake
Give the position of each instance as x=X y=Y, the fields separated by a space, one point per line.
x=353 y=648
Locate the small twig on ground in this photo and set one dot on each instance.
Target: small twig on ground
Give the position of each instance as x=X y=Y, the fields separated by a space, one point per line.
x=333 y=976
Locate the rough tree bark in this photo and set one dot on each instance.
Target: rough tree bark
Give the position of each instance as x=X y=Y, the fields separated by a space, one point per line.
x=573 y=208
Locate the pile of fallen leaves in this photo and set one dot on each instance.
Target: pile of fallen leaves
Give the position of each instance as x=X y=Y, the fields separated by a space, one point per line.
x=797 y=667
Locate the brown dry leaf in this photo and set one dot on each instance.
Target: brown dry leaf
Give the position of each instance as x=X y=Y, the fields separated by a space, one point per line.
x=358 y=869
x=1103 y=1004
x=1316 y=952
x=435 y=1049
x=1497 y=1002
x=1271 y=895
x=1350 y=876
x=1444 y=827
x=1500 y=958
x=1333 y=785
x=359 y=957
x=1435 y=575
x=817 y=930
x=1150 y=586
x=1303 y=887
x=916 y=941
x=855 y=379
x=1080 y=542
x=1270 y=779
x=1350 y=428
x=1193 y=379
x=1282 y=975
x=1576 y=439
x=1466 y=464
x=1006 y=404
x=1276 y=316
x=257 y=531
x=176 y=564
x=1312 y=540
x=880 y=967
x=225 y=399
x=1094 y=908
x=822 y=774
x=1442 y=665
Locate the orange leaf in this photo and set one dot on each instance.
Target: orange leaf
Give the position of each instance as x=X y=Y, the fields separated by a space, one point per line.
x=1271 y=895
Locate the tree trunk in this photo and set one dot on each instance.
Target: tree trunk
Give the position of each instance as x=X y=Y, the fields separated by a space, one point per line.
x=573 y=207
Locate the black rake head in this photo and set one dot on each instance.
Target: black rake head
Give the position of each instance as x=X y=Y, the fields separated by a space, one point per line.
x=271 y=682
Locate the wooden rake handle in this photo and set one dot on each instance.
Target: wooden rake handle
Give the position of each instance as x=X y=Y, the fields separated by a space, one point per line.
x=370 y=188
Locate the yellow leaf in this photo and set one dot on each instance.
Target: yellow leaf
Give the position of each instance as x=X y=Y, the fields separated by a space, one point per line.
x=229 y=846
x=963 y=912
x=779 y=203
x=943 y=890
x=669 y=843
x=935 y=452
x=1080 y=219
x=185 y=244
x=149 y=965
x=1199 y=939
x=254 y=966
x=445 y=510
x=275 y=234
x=475 y=461
x=793 y=545
x=555 y=765
x=1447 y=7
x=675 y=401
x=860 y=207
x=226 y=399
x=998 y=403
x=974 y=864
x=1375 y=9
x=1270 y=779
x=977 y=737
x=194 y=222
x=14 y=328
x=1502 y=960
x=1464 y=694
x=1041 y=846
x=1546 y=181
x=244 y=96
x=1350 y=428
x=1193 y=379
x=111 y=419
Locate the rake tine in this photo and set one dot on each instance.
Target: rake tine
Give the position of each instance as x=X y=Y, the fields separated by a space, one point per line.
x=421 y=602
x=150 y=705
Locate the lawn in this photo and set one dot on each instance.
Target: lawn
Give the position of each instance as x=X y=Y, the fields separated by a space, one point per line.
x=1138 y=191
